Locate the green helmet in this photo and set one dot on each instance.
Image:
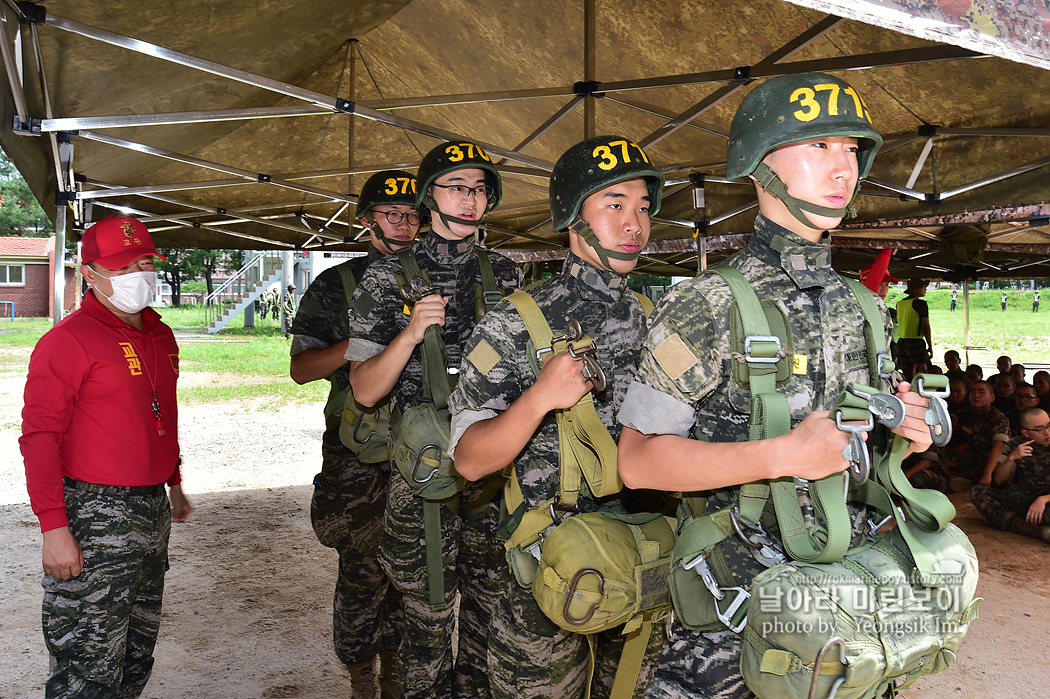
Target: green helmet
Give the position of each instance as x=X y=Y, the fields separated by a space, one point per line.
x=793 y=108
x=589 y=166
x=595 y=163
x=449 y=157
x=386 y=187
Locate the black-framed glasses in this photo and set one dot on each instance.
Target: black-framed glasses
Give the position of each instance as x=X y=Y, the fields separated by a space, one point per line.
x=1038 y=429
x=1025 y=396
x=462 y=191
x=395 y=217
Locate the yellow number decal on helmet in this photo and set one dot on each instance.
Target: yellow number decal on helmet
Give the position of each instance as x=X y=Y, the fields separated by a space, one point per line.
x=609 y=160
x=806 y=98
x=406 y=184
x=391 y=185
x=455 y=152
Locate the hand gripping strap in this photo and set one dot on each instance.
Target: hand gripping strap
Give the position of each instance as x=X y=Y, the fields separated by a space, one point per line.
x=436 y=388
x=587 y=450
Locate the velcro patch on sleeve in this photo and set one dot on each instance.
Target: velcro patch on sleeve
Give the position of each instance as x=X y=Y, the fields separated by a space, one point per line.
x=674 y=356
x=483 y=357
x=364 y=304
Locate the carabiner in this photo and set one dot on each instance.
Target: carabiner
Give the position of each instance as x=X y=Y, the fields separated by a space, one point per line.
x=572 y=591
x=833 y=641
x=357 y=427
x=592 y=370
x=558 y=507
x=419 y=459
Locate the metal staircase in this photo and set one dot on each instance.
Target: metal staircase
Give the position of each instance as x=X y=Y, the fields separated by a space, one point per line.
x=235 y=294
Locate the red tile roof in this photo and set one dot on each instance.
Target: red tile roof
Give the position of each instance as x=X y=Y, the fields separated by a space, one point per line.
x=19 y=246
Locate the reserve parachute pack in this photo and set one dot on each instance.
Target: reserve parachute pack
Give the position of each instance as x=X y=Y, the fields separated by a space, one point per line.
x=362 y=430
x=588 y=571
x=822 y=617
x=419 y=438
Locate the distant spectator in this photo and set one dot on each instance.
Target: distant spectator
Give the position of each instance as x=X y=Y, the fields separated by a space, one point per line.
x=979 y=432
x=955 y=298
x=919 y=368
x=1024 y=397
x=1004 y=392
x=1041 y=381
x=952 y=363
x=1003 y=301
x=1022 y=506
x=1035 y=302
x=958 y=390
x=914 y=341
x=974 y=373
x=1003 y=364
x=1017 y=371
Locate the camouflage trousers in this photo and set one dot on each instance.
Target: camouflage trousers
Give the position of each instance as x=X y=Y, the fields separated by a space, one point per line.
x=699 y=666
x=101 y=626
x=1001 y=507
x=531 y=658
x=425 y=653
x=909 y=353
x=347 y=515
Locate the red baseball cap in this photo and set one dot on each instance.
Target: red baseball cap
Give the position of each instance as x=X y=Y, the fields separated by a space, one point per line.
x=887 y=277
x=115 y=242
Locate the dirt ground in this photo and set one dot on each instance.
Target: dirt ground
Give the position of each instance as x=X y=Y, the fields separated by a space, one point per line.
x=248 y=598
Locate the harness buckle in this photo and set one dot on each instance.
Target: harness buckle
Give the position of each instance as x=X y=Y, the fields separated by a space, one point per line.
x=357 y=426
x=885 y=364
x=416 y=289
x=936 y=417
x=764 y=548
x=556 y=507
x=491 y=298
x=889 y=409
x=751 y=339
x=592 y=370
x=856 y=453
x=725 y=614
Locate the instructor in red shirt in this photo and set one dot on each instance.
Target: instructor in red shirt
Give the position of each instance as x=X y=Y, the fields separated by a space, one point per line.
x=100 y=441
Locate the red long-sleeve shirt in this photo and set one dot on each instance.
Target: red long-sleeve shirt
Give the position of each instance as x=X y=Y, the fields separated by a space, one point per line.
x=88 y=414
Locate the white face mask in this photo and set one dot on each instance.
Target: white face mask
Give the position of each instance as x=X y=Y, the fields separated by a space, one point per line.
x=131 y=292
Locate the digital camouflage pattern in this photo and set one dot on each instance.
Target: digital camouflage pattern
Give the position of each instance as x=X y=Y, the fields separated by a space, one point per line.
x=522 y=659
x=687 y=388
x=377 y=317
x=100 y=633
x=1031 y=480
x=349 y=497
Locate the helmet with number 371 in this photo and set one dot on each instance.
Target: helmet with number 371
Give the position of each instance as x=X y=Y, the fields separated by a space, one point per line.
x=793 y=108
x=596 y=163
x=449 y=157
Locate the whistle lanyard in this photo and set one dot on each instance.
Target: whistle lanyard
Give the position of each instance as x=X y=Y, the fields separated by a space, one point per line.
x=158 y=420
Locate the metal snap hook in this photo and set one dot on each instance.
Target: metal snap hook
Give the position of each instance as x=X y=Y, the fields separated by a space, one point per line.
x=833 y=641
x=572 y=591
x=357 y=427
x=416 y=289
x=419 y=459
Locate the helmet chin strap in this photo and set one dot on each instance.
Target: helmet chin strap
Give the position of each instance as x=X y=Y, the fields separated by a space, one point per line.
x=374 y=226
x=428 y=201
x=775 y=187
x=580 y=227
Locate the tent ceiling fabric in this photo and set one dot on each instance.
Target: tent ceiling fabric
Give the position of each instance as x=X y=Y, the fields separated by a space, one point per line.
x=668 y=76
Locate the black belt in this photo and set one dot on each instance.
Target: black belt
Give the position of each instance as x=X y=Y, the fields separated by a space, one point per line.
x=116 y=490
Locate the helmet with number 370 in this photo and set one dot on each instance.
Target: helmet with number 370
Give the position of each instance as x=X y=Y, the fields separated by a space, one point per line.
x=596 y=163
x=387 y=187
x=451 y=156
x=793 y=108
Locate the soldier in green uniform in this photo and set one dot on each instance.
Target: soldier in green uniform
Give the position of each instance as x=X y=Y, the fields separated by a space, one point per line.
x=503 y=412
x=805 y=140
x=347 y=507
x=459 y=184
x=1022 y=506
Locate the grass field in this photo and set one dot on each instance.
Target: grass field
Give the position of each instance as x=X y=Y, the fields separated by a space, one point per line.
x=248 y=364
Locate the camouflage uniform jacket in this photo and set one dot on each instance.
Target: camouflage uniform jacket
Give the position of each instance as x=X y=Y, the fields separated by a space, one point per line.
x=500 y=363
x=686 y=383
x=979 y=428
x=322 y=322
x=378 y=314
x=1031 y=471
